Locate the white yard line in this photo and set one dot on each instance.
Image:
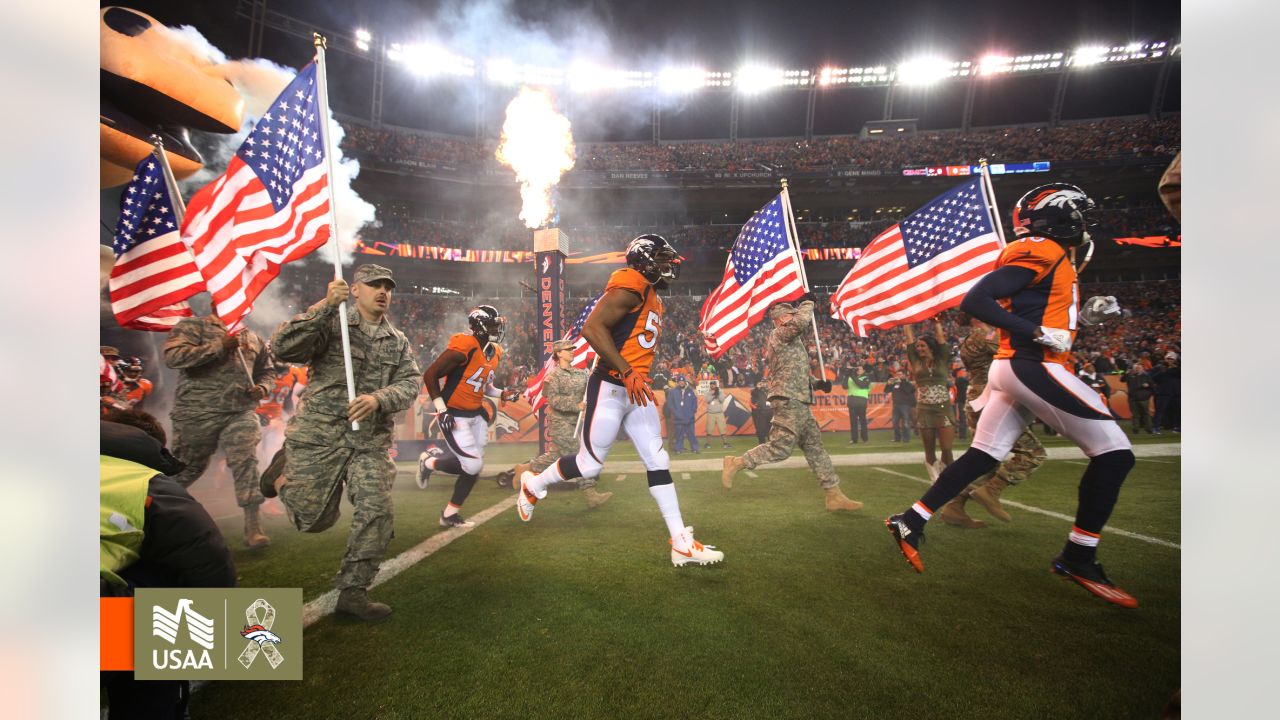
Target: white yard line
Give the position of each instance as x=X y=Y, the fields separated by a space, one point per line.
x=620 y=478
x=1161 y=462
x=1049 y=513
x=751 y=474
x=323 y=605
x=685 y=476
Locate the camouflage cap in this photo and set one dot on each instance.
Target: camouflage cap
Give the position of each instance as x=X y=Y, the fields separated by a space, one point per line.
x=369 y=273
x=108 y=351
x=559 y=345
x=781 y=307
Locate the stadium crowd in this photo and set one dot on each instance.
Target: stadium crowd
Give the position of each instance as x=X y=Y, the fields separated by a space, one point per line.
x=1085 y=140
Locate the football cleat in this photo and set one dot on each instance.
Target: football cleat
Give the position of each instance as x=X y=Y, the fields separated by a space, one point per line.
x=525 y=498
x=908 y=541
x=697 y=554
x=424 y=472
x=1091 y=577
x=454 y=521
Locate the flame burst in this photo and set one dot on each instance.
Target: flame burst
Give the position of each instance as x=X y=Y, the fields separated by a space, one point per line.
x=537 y=143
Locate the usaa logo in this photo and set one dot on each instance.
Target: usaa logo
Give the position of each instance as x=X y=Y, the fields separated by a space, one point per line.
x=197 y=641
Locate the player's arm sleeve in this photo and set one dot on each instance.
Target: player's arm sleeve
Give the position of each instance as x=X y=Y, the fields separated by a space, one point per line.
x=981 y=302
x=187 y=346
x=403 y=388
x=305 y=337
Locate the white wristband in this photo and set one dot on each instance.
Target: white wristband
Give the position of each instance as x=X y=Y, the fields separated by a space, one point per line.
x=439 y=404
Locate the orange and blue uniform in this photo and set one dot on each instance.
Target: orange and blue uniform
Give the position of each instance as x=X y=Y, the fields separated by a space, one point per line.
x=636 y=335
x=1051 y=299
x=463 y=387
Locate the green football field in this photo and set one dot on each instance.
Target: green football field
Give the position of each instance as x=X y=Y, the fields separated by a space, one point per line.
x=579 y=613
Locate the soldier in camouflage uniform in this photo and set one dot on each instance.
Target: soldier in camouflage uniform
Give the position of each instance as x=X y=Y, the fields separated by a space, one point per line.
x=790 y=391
x=564 y=389
x=322 y=452
x=976 y=352
x=214 y=403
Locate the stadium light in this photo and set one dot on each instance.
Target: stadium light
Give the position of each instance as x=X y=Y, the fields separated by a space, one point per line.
x=926 y=71
x=585 y=77
x=752 y=79
x=993 y=64
x=502 y=71
x=682 y=80
x=430 y=60
x=1088 y=55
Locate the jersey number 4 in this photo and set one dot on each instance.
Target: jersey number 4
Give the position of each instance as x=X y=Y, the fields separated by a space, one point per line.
x=476 y=381
x=652 y=325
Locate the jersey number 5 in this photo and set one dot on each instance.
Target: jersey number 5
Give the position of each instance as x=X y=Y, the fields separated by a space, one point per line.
x=476 y=381
x=649 y=338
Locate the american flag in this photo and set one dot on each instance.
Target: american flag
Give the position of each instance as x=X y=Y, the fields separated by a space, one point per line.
x=922 y=265
x=583 y=355
x=270 y=207
x=762 y=270
x=153 y=274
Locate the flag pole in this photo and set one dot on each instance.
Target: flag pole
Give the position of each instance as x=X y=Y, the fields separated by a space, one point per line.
x=322 y=89
x=794 y=241
x=180 y=213
x=992 y=210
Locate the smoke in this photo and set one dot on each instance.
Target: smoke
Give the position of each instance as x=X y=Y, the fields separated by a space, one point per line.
x=260 y=82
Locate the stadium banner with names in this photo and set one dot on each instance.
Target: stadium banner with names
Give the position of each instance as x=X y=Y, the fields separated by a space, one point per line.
x=515 y=421
x=441 y=253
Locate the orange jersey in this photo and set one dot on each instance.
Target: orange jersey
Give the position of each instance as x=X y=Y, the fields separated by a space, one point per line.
x=636 y=335
x=139 y=392
x=1052 y=299
x=463 y=388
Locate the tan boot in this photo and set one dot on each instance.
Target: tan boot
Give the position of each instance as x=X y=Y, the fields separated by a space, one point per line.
x=356 y=602
x=253 y=535
x=837 y=501
x=595 y=498
x=732 y=465
x=953 y=514
x=988 y=496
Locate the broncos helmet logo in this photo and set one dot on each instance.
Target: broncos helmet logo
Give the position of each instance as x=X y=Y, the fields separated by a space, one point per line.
x=260 y=635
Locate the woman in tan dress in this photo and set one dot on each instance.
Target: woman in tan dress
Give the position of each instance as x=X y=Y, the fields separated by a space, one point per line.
x=930 y=370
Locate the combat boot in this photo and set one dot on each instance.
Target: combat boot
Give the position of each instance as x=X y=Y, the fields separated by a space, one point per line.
x=356 y=603
x=732 y=465
x=253 y=535
x=953 y=514
x=988 y=496
x=837 y=501
x=595 y=498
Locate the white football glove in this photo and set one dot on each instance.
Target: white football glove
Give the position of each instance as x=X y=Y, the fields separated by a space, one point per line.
x=1055 y=339
x=1099 y=309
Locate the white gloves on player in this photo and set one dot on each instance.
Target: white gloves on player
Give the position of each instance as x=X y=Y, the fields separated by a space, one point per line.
x=1098 y=309
x=1055 y=339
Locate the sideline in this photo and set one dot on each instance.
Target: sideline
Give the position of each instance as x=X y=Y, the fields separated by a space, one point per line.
x=1050 y=513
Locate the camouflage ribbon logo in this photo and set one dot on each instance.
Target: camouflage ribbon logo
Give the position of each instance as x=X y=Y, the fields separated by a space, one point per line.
x=258 y=632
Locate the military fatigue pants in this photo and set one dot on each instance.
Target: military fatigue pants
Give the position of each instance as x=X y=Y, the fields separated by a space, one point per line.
x=1027 y=455
x=563 y=442
x=793 y=424
x=316 y=475
x=195 y=440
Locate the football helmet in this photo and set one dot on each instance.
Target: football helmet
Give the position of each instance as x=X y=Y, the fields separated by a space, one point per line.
x=654 y=258
x=1058 y=211
x=131 y=368
x=486 y=324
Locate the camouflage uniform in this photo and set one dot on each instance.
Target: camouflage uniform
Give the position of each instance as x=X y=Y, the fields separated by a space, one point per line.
x=790 y=396
x=213 y=406
x=976 y=352
x=563 y=390
x=322 y=452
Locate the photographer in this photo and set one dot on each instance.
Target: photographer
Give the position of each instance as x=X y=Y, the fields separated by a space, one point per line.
x=903 y=394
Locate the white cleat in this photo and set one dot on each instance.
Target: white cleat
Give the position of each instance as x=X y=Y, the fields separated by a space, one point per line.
x=525 y=498
x=697 y=554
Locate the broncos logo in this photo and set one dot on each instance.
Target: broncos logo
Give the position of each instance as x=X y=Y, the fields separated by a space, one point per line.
x=260 y=635
x=1058 y=198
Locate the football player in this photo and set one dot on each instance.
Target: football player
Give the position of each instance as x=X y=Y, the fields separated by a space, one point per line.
x=458 y=381
x=624 y=329
x=1032 y=296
